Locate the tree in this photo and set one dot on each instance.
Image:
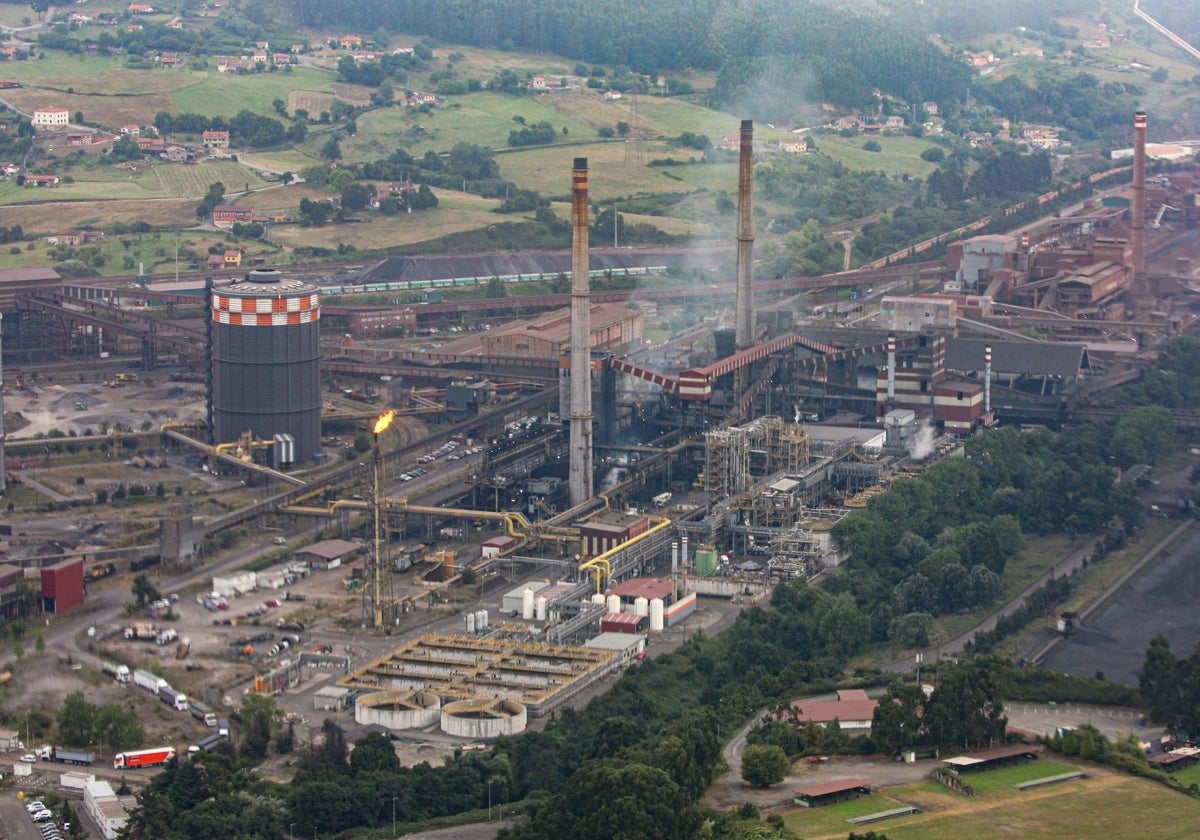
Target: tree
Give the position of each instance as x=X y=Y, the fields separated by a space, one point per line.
x=118 y=728
x=355 y=196
x=614 y=798
x=76 y=720
x=144 y=592
x=374 y=752
x=1161 y=684
x=764 y=765
x=896 y=725
x=966 y=710
x=259 y=715
x=332 y=150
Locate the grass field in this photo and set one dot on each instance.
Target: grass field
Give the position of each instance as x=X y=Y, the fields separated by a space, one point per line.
x=55 y=216
x=481 y=118
x=900 y=154
x=1106 y=805
x=1188 y=775
x=225 y=94
x=609 y=176
x=160 y=181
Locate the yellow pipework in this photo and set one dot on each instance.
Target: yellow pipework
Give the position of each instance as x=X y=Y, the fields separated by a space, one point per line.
x=660 y=524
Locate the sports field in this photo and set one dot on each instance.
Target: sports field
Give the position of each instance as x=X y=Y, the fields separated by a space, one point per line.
x=1107 y=805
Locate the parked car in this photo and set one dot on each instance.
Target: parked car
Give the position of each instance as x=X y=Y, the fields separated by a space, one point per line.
x=29 y=758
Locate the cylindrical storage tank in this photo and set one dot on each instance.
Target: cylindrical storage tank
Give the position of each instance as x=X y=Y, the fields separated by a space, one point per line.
x=481 y=620
x=706 y=561
x=656 y=614
x=614 y=603
x=266 y=353
x=470 y=622
x=540 y=607
x=599 y=599
x=641 y=606
x=527 y=604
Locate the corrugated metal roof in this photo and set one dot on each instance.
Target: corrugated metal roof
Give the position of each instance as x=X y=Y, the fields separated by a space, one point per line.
x=1032 y=358
x=833 y=787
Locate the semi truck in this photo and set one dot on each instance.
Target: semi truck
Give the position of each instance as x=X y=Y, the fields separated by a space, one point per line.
x=118 y=672
x=206 y=744
x=203 y=714
x=49 y=753
x=174 y=698
x=151 y=682
x=153 y=757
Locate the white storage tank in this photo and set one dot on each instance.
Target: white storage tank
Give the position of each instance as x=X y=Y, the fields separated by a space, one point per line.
x=527 y=604
x=641 y=606
x=540 y=605
x=656 y=615
x=470 y=622
x=599 y=599
x=481 y=620
x=614 y=603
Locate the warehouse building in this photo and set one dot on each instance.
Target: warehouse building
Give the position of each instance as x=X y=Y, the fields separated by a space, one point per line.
x=62 y=586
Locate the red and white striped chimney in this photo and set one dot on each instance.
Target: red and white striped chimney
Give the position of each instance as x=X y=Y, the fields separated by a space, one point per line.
x=987 y=379
x=891 y=378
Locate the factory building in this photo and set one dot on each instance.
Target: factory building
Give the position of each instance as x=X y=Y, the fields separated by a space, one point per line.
x=62 y=586
x=958 y=406
x=266 y=355
x=614 y=327
x=627 y=647
x=601 y=535
x=637 y=595
x=464 y=398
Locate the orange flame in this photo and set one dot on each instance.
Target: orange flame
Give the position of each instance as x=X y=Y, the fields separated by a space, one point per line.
x=384 y=421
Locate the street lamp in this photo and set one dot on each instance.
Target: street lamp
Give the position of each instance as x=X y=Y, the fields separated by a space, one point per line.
x=489 y=800
x=393 y=816
x=291 y=831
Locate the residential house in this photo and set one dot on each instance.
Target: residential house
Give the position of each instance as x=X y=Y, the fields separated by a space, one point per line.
x=612 y=95
x=9 y=169
x=296 y=49
x=982 y=59
x=51 y=118
x=141 y=9
x=131 y=130
x=538 y=83
x=177 y=154
x=215 y=261
x=419 y=99
x=350 y=42
x=402 y=51
x=215 y=139
x=226 y=216
x=281 y=59
x=233 y=258
x=151 y=144
x=1032 y=52
x=850 y=122
x=79 y=237
x=175 y=23
x=362 y=56
x=41 y=180
x=795 y=145
x=893 y=123
x=930 y=108
x=262 y=45
x=135 y=27
x=225 y=65
x=1001 y=123
x=260 y=57
x=82 y=138
x=170 y=60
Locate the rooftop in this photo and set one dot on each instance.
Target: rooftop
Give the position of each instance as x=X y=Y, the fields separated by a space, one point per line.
x=329 y=549
x=648 y=588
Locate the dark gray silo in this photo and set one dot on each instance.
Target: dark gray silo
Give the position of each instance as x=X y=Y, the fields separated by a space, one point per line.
x=266 y=354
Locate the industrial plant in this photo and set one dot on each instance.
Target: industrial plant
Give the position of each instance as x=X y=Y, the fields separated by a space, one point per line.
x=607 y=481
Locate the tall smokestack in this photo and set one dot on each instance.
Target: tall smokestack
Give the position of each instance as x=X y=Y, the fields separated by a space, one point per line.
x=987 y=379
x=744 y=313
x=891 y=379
x=580 y=411
x=1139 y=194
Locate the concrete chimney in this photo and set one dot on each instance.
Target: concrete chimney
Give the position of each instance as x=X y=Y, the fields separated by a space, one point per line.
x=1139 y=195
x=674 y=555
x=987 y=379
x=580 y=410
x=891 y=380
x=744 y=314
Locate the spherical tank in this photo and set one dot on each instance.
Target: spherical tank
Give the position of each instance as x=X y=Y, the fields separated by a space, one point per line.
x=656 y=614
x=266 y=353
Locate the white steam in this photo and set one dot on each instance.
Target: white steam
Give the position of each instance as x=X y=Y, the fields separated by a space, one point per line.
x=920 y=445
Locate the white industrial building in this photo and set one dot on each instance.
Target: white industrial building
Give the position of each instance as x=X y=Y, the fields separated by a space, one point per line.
x=512 y=601
x=626 y=645
x=238 y=584
x=105 y=808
